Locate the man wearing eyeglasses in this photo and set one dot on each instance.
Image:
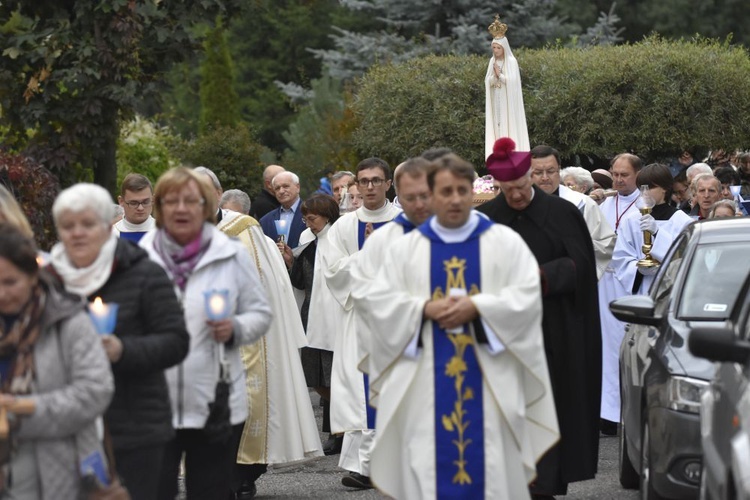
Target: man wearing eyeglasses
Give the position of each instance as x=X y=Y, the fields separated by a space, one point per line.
x=349 y=388
x=135 y=198
x=545 y=173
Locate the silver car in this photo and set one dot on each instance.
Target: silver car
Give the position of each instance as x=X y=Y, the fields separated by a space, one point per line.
x=660 y=380
x=725 y=405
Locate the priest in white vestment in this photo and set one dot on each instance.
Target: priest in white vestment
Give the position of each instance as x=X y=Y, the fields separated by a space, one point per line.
x=617 y=210
x=545 y=172
x=465 y=407
x=280 y=427
x=349 y=410
x=410 y=181
x=504 y=111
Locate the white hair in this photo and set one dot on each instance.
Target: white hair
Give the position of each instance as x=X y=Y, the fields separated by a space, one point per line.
x=580 y=176
x=698 y=168
x=237 y=196
x=210 y=174
x=84 y=196
x=295 y=177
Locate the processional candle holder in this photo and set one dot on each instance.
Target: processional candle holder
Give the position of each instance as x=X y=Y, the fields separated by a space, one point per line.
x=645 y=205
x=103 y=315
x=282 y=229
x=216 y=303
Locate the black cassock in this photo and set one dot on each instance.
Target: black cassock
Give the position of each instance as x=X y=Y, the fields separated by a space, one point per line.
x=556 y=233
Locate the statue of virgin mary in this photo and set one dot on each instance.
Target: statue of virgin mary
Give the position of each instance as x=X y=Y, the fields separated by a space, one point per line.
x=504 y=112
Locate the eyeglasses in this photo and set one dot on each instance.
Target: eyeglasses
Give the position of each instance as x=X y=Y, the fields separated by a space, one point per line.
x=310 y=219
x=188 y=202
x=416 y=197
x=363 y=183
x=136 y=203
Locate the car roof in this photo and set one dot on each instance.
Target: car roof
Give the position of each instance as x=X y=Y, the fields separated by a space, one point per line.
x=721 y=230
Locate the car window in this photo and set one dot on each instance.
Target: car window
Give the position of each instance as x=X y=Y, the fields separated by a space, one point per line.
x=713 y=281
x=664 y=281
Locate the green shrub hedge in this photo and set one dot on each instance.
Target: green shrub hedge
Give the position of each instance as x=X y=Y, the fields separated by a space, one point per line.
x=653 y=98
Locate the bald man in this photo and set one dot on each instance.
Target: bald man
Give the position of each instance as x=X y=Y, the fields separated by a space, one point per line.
x=266 y=200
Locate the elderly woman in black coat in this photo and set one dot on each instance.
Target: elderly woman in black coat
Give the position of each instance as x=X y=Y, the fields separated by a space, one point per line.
x=149 y=334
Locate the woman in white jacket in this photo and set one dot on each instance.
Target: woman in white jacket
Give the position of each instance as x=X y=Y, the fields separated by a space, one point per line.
x=199 y=258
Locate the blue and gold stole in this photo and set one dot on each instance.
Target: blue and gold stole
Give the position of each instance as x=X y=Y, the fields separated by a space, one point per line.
x=361 y=226
x=459 y=422
x=401 y=220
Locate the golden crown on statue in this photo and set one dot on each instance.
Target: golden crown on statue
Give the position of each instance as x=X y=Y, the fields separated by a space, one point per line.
x=497 y=29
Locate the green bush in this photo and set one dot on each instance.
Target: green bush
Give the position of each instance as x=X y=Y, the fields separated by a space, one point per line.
x=653 y=98
x=143 y=148
x=232 y=152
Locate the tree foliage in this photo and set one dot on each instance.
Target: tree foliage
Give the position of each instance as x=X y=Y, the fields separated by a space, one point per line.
x=70 y=70
x=220 y=105
x=35 y=189
x=418 y=28
x=651 y=98
x=321 y=135
x=232 y=152
x=144 y=148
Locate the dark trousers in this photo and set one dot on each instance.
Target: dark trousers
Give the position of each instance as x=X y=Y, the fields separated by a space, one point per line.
x=208 y=467
x=140 y=470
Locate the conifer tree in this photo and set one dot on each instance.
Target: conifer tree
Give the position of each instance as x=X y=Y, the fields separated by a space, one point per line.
x=219 y=100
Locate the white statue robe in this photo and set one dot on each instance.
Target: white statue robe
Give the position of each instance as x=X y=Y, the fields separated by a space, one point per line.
x=503 y=110
x=628 y=250
x=519 y=420
x=602 y=234
x=617 y=208
x=281 y=426
x=368 y=262
x=348 y=400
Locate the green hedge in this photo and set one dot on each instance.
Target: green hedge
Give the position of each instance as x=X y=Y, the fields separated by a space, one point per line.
x=653 y=98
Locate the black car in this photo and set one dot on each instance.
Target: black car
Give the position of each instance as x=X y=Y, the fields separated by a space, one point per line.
x=660 y=380
x=725 y=408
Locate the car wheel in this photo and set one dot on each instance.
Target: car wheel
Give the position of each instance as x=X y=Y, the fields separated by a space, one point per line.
x=628 y=475
x=647 y=489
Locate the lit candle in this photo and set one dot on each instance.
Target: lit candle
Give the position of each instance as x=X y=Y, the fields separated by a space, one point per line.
x=103 y=315
x=217 y=304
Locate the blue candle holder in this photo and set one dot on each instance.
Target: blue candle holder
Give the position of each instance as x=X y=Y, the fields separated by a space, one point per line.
x=216 y=303
x=282 y=229
x=104 y=316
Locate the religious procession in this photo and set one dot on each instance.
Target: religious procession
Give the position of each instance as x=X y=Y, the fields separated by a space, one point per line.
x=508 y=329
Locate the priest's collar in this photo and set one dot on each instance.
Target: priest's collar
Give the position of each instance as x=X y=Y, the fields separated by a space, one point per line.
x=458 y=234
x=632 y=196
x=364 y=214
x=129 y=227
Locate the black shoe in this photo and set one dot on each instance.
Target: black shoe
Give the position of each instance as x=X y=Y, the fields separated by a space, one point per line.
x=333 y=445
x=247 y=491
x=356 y=480
x=607 y=427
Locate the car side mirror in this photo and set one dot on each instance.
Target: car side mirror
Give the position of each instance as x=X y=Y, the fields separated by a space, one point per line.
x=637 y=309
x=718 y=344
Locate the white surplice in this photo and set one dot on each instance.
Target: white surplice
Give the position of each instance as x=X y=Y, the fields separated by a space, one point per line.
x=369 y=261
x=617 y=208
x=630 y=240
x=325 y=316
x=602 y=234
x=348 y=405
x=281 y=426
x=519 y=418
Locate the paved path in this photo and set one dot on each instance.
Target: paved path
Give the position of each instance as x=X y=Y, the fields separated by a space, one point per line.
x=321 y=478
